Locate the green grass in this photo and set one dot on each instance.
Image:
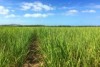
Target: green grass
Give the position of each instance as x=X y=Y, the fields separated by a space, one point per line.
x=13 y=45
x=60 y=46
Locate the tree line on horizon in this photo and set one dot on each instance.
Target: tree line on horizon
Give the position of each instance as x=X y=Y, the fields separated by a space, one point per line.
x=18 y=25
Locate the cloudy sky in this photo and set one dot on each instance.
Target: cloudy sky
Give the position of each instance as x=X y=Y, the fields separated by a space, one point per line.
x=50 y=12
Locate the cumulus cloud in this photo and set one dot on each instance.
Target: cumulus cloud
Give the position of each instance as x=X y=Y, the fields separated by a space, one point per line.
x=96 y=6
x=3 y=10
x=38 y=15
x=64 y=7
x=10 y=16
x=36 y=6
x=26 y=6
x=6 y=13
x=89 y=11
x=72 y=12
x=93 y=6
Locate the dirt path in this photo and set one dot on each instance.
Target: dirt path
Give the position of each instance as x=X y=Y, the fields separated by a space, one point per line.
x=33 y=58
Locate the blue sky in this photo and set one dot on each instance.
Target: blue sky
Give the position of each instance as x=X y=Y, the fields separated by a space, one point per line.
x=50 y=12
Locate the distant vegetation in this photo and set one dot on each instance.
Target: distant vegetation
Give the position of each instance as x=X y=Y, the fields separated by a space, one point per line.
x=18 y=25
x=58 y=47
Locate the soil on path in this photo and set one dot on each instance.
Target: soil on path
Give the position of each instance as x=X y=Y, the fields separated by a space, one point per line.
x=33 y=58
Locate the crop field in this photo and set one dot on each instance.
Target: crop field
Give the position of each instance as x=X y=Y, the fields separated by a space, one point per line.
x=49 y=46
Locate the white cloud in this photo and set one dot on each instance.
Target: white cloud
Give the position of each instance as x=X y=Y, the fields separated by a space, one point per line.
x=67 y=7
x=96 y=6
x=36 y=6
x=26 y=6
x=3 y=10
x=89 y=11
x=92 y=5
x=38 y=15
x=10 y=16
x=64 y=7
x=72 y=12
x=12 y=10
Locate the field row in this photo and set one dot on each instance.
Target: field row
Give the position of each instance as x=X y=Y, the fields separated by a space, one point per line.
x=58 y=46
